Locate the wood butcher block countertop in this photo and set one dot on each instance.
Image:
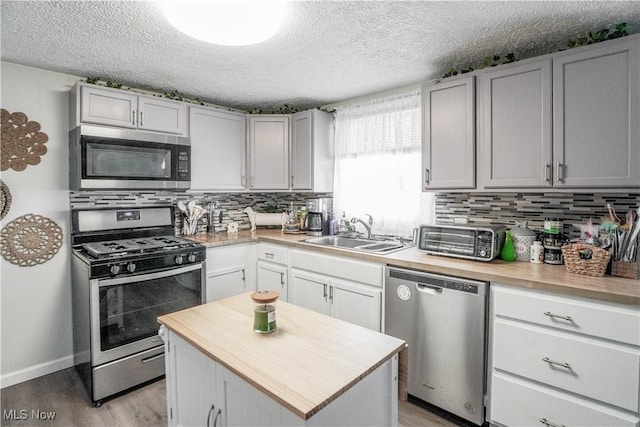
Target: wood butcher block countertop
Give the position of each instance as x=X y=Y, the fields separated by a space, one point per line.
x=545 y=277
x=308 y=362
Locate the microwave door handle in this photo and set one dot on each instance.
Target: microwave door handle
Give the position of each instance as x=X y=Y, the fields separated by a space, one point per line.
x=150 y=276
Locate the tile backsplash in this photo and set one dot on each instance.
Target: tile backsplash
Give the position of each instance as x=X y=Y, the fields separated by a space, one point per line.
x=231 y=205
x=572 y=209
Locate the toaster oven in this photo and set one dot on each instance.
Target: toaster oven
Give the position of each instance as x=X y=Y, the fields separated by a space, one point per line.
x=480 y=243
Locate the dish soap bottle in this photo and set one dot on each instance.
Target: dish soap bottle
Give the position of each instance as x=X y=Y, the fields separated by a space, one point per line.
x=508 y=251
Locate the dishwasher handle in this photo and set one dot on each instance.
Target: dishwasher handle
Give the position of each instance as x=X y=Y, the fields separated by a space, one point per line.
x=428 y=289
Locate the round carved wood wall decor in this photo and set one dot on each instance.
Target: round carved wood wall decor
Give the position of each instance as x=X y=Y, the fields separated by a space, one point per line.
x=30 y=240
x=6 y=199
x=22 y=141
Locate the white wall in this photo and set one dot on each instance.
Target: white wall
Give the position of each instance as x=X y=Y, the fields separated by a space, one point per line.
x=35 y=302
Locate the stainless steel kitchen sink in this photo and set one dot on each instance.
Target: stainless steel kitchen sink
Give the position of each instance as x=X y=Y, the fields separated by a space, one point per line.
x=361 y=245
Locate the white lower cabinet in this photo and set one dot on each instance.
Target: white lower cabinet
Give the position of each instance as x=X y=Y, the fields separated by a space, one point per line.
x=272 y=269
x=231 y=270
x=562 y=361
x=346 y=289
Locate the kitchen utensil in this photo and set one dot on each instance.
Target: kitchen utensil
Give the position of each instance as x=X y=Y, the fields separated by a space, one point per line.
x=612 y=214
x=182 y=207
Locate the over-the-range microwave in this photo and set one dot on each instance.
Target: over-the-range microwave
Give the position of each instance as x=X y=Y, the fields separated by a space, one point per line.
x=104 y=158
x=480 y=243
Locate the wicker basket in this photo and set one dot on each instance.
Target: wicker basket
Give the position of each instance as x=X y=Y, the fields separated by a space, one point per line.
x=575 y=263
x=630 y=270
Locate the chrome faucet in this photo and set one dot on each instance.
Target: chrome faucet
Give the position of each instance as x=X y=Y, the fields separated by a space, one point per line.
x=367 y=224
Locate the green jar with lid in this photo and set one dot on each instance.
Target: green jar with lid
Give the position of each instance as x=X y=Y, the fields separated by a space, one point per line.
x=264 y=318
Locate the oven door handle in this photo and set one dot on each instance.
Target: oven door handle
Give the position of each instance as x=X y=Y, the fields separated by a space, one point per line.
x=150 y=276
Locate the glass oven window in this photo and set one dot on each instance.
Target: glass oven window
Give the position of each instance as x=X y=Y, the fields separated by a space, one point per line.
x=448 y=240
x=129 y=312
x=104 y=160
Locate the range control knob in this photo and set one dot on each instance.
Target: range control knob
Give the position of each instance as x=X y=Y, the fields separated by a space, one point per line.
x=483 y=253
x=179 y=259
x=131 y=267
x=115 y=269
x=191 y=258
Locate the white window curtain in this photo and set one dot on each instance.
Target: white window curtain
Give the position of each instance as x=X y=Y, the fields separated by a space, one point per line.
x=378 y=164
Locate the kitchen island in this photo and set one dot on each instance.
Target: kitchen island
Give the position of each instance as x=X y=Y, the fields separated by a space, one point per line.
x=314 y=370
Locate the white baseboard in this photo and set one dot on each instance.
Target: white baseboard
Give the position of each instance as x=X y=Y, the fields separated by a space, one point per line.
x=36 y=371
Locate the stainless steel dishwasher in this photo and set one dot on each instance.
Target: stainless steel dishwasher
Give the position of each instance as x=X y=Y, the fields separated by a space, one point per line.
x=443 y=319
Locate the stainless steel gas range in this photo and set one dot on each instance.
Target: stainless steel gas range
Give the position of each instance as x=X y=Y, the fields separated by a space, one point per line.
x=128 y=268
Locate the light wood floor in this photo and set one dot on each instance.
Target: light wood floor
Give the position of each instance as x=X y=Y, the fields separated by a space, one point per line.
x=63 y=394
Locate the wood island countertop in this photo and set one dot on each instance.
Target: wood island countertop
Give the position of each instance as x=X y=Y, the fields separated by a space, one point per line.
x=545 y=277
x=307 y=363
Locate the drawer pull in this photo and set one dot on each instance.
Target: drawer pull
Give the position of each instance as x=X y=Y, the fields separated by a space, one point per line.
x=550 y=424
x=269 y=255
x=552 y=362
x=557 y=316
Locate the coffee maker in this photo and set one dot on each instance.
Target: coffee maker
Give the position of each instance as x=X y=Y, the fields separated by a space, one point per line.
x=319 y=213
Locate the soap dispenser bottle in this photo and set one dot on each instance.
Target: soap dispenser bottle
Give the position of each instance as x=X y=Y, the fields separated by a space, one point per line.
x=508 y=250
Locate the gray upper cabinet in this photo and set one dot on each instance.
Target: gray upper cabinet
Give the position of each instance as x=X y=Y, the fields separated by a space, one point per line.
x=121 y=108
x=218 y=149
x=312 y=151
x=448 y=134
x=597 y=116
x=269 y=152
x=515 y=147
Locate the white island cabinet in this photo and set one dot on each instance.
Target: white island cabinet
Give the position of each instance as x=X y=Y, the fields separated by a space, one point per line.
x=313 y=371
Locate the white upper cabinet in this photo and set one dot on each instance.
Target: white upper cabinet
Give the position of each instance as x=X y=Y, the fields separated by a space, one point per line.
x=448 y=134
x=113 y=107
x=596 y=111
x=269 y=152
x=218 y=149
x=161 y=115
x=515 y=148
x=312 y=151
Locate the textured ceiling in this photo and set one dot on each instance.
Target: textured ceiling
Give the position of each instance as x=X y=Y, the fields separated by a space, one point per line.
x=327 y=51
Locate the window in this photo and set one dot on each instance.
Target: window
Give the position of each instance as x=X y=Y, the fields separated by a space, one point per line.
x=378 y=164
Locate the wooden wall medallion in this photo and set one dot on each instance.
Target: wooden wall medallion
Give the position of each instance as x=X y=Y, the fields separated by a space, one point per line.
x=22 y=141
x=30 y=240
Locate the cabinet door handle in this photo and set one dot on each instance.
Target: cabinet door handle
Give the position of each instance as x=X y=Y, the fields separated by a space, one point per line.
x=213 y=407
x=243 y=181
x=251 y=179
x=243 y=275
x=324 y=285
x=141 y=124
x=547 y=168
x=282 y=278
x=133 y=117
x=560 y=171
x=427 y=176
x=331 y=293
x=291 y=181
x=557 y=316
x=549 y=423
x=215 y=420
x=552 y=362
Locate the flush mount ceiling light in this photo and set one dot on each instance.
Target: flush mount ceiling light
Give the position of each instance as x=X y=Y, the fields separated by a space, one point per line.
x=230 y=23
